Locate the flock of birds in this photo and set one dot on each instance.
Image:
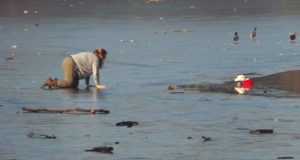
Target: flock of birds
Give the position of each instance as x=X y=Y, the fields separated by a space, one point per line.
x=292 y=36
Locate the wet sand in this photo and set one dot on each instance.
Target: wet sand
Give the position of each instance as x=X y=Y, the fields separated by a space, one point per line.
x=286 y=81
x=146 y=54
x=269 y=85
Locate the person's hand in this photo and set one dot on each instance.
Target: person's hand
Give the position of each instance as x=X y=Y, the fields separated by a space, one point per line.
x=101 y=86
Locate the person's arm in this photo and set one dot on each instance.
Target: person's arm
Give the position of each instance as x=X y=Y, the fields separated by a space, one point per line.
x=96 y=76
x=87 y=82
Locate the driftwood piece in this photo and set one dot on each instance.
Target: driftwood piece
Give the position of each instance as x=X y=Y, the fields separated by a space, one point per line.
x=67 y=110
x=103 y=149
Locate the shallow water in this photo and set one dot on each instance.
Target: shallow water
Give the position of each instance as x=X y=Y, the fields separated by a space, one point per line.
x=145 y=56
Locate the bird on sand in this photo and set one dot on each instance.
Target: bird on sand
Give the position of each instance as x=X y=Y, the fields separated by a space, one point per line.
x=293 y=36
x=253 y=33
x=235 y=37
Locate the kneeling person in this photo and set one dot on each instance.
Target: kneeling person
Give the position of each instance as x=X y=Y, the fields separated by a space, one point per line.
x=80 y=66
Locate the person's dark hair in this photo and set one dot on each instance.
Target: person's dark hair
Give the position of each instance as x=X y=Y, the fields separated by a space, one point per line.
x=103 y=53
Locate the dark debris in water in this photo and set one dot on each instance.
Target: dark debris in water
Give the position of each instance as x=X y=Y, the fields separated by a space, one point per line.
x=285 y=157
x=261 y=131
x=205 y=139
x=40 y=135
x=127 y=123
x=103 y=149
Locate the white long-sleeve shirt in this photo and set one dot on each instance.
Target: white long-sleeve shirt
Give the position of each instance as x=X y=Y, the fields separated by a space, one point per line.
x=88 y=64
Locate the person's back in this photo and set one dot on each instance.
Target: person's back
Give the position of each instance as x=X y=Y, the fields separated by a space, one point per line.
x=83 y=60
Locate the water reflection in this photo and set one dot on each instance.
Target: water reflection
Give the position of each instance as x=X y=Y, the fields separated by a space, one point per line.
x=70 y=91
x=93 y=92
